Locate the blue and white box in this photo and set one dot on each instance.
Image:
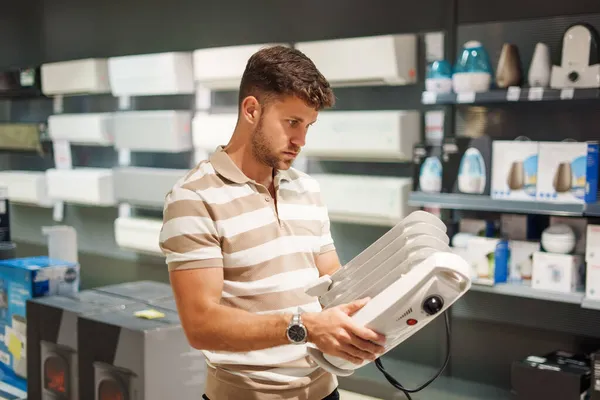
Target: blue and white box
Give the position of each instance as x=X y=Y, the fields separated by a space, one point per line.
x=568 y=172
x=20 y=280
x=514 y=169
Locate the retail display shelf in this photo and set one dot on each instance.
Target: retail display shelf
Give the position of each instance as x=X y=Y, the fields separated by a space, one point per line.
x=513 y=94
x=590 y=304
x=458 y=201
x=592 y=210
x=370 y=382
x=520 y=290
x=363 y=219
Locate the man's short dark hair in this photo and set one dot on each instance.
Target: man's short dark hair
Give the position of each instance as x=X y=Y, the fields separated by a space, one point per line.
x=279 y=71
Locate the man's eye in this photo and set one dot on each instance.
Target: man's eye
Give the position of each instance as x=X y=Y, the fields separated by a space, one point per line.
x=293 y=122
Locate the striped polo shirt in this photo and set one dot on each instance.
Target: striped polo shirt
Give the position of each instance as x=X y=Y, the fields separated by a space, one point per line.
x=216 y=216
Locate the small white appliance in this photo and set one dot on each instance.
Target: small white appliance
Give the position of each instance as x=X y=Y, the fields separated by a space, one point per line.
x=88 y=186
x=152 y=74
x=540 y=67
x=212 y=130
x=221 y=68
x=410 y=275
x=138 y=234
x=75 y=77
x=580 y=62
x=372 y=60
x=559 y=238
x=26 y=187
x=371 y=135
x=85 y=128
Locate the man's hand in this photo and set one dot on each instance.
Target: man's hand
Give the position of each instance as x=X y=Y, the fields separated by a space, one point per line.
x=334 y=333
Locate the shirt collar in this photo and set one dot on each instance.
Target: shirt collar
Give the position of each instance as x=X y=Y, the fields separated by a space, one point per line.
x=224 y=166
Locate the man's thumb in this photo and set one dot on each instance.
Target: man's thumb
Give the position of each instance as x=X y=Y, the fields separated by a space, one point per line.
x=356 y=305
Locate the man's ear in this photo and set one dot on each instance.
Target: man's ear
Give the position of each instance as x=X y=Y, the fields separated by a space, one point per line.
x=251 y=109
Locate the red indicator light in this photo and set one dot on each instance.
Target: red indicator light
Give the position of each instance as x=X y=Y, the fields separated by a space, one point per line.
x=411 y=322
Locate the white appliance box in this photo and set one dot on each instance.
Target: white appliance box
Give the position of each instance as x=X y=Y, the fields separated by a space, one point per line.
x=86 y=76
x=212 y=130
x=138 y=234
x=26 y=187
x=378 y=197
x=221 y=68
x=364 y=134
x=92 y=128
x=166 y=131
x=151 y=74
x=89 y=186
x=372 y=60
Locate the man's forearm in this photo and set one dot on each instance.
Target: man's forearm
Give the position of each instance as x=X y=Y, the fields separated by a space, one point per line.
x=222 y=328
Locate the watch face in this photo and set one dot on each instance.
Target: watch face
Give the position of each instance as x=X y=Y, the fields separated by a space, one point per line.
x=296 y=333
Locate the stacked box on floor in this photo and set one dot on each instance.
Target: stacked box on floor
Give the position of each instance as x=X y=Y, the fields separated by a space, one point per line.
x=52 y=362
x=20 y=280
x=138 y=352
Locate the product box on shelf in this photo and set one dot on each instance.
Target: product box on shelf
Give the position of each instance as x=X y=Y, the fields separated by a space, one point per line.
x=568 y=172
x=52 y=357
x=592 y=245
x=427 y=168
x=20 y=280
x=489 y=259
x=137 y=352
x=558 y=272
x=521 y=260
x=557 y=375
x=514 y=169
x=467 y=165
x=140 y=291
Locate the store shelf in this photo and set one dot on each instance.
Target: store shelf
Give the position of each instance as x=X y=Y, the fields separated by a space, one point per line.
x=369 y=381
x=519 y=290
x=511 y=95
x=485 y=203
x=592 y=210
x=363 y=219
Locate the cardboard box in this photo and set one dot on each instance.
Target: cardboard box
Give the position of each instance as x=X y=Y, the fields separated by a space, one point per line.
x=138 y=352
x=514 y=170
x=52 y=357
x=20 y=280
x=558 y=272
x=568 y=172
x=556 y=376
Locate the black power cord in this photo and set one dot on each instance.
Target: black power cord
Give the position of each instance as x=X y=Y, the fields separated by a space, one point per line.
x=406 y=391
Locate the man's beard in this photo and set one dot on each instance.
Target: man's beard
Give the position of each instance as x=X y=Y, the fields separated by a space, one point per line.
x=261 y=148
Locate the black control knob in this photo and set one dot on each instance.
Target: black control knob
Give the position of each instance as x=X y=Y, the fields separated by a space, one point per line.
x=573 y=76
x=433 y=304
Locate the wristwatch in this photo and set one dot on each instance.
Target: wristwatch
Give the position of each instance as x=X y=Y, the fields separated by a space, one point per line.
x=296 y=331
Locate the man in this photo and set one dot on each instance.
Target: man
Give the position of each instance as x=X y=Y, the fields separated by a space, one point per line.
x=244 y=234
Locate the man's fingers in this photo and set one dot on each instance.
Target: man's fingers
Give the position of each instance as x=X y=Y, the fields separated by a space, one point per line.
x=354 y=306
x=365 y=333
x=367 y=345
x=357 y=353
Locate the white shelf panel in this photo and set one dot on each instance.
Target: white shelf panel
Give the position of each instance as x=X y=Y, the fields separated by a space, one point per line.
x=221 y=68
x=212 y=130
x=366 y=199
x=161 y=131
x=75 y=77
x=364 y=135
x=87 y=186
x=373 y=60
x=151 y=74
x=92 y=128
x=138 y=234
x=26 y=187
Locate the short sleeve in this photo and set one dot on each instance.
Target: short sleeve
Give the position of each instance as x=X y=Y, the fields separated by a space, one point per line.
x=189 y=237
x=326 y=240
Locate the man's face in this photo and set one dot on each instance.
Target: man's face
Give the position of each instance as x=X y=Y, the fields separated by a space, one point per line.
x=281 y=132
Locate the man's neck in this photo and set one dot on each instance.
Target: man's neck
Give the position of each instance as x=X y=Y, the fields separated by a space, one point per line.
x=242 y=156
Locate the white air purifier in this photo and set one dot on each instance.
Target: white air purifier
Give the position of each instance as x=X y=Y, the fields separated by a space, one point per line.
x=165 y=131
x=580 y=59
x=410 y=276
x=376 y=200
x=138 y=234
x=76 y=77
x=373 y=60
x=369 y=135
x=151 y=74
x=212 y=130
x=87 y=129
x=86 y=186
x=26 y=187
x=221 y=68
